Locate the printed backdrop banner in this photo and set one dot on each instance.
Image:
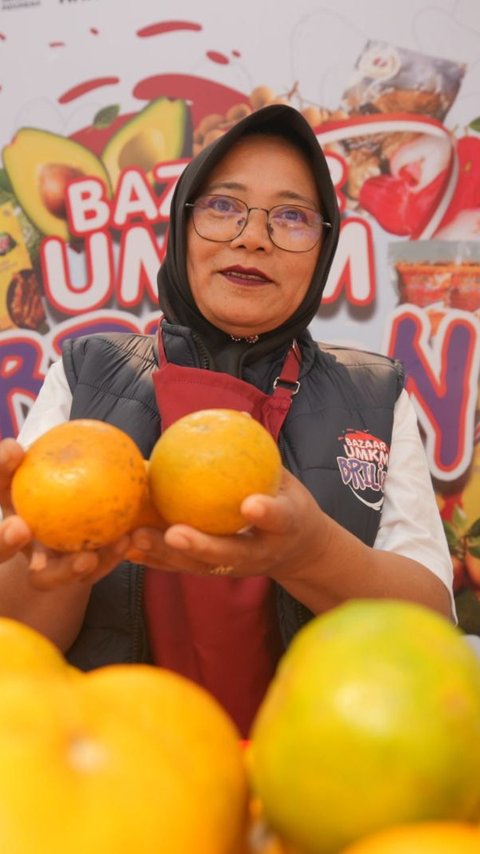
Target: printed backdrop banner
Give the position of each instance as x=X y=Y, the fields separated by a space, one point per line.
x=103 y=105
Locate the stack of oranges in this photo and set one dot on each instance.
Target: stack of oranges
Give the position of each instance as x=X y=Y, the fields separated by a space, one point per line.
x=127 y=758
x=84 y=484
x=367 y=741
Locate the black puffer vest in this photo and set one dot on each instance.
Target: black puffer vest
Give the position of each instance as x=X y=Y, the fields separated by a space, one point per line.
x=335 y=440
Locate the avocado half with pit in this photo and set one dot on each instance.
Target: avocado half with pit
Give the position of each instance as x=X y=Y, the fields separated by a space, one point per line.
x=40 y=165
x=161 y=131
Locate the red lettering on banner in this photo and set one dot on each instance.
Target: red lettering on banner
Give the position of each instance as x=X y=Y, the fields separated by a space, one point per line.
x=140 y=259
x=442 y=379
x=67 y=295
x=25 y=357
x=353 y=268
x=141 y=254
x=338 y=169
x=88 y=208
x=167 y=174
x=133 y=199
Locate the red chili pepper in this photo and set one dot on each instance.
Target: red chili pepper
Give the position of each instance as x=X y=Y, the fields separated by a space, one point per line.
x=396 y=206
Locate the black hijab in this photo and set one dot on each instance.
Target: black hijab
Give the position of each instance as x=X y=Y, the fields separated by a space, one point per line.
x=175 y=296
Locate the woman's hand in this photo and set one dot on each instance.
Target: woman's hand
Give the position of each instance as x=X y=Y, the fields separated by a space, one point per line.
x=291 y=540
x=280 y=533
x=15 y=534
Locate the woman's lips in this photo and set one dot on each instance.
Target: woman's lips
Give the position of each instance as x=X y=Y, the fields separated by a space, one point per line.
x=245 y=275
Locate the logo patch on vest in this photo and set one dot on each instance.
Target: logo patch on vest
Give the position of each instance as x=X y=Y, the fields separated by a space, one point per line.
x=363 y=466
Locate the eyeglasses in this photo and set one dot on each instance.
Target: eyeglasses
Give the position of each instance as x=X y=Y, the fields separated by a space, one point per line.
x=291 y=227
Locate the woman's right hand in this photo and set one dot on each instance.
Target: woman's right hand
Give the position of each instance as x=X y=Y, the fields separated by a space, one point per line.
x=15 y=535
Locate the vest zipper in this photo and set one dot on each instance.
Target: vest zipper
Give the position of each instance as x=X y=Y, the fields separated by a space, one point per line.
x=202 y=352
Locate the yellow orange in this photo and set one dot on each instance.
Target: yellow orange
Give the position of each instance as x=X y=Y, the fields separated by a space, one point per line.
x=124 y=759
x=439 y=837
x=23 y=650
x=206 y=463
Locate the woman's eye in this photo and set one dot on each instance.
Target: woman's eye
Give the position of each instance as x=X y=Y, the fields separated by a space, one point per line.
x=222 y=204
x=290 y=216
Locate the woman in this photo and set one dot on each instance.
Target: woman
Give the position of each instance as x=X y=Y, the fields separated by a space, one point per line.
x=254 y=227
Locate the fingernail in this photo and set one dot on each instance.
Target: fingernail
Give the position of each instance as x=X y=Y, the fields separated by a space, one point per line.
x=83 y=563
x=38 y=562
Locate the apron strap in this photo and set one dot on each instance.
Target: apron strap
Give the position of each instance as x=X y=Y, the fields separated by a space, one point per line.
x=287 y=383
x=180 y=390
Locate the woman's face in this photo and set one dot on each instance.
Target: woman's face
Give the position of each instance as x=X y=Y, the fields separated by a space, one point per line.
x=248 y=286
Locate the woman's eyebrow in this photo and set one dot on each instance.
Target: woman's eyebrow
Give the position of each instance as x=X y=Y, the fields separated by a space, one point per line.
x=236 y=186
x=226 y=185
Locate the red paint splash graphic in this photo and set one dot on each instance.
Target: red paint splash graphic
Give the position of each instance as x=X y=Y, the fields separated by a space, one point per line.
x=236 y=53
x=217 y=57
x=200 y=93
x=3 y=37
x=167 y=27
x=94 y=31
x=56 y=44
x=87 y=86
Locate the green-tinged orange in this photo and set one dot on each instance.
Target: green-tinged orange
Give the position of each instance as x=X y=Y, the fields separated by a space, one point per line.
x=373 y=719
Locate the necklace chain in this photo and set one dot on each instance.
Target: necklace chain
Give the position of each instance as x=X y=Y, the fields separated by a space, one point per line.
x=249 y=339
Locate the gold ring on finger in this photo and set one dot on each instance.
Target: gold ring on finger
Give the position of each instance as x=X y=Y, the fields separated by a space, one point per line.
x=221 y=570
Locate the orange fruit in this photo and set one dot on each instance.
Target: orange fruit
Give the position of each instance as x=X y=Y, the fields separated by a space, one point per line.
x=147 y=515
x=202 y=782
x=206 y=463
x=438 y=837
x=23 y=650
x=372 y=719
x=126 y=759
x=261 y=838
x=79 y=485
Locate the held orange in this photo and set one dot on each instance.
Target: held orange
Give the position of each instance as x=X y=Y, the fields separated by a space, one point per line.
x=147 y=515
x=80 y=485
x=206 y=463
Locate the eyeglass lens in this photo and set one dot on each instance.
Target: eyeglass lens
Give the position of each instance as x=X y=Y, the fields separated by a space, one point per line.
x=291 y=227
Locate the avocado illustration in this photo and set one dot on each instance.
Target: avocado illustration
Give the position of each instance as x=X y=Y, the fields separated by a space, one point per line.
x=161 y=131
x=40 y=165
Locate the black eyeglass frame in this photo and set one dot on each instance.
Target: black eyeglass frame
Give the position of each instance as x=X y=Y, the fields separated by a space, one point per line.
x=323 y=222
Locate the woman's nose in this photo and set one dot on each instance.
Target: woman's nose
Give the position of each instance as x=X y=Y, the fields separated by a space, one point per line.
x=255 y=231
